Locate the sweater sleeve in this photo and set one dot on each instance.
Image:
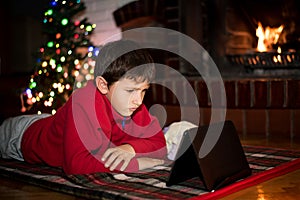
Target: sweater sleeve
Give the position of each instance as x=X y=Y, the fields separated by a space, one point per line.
x=154 y=146
x=148 y=140
x=85 y=142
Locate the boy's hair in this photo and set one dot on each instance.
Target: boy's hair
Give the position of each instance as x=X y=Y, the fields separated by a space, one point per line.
x=121 y=59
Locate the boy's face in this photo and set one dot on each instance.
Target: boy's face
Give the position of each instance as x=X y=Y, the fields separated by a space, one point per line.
x=126 y=95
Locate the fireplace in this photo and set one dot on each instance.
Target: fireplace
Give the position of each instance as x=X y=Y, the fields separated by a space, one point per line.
x=235 y=35
x=227 y=29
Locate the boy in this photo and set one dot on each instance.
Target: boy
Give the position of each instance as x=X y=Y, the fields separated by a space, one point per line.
x=103 y=127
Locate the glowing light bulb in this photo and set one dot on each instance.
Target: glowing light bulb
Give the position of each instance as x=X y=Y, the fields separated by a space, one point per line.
x=76 y=73
x=29 y=101
x=58 y=35
x=54 y=3
x=85 y=66
x=76 y=35
x=41 y=94
x=49 y=12
x=50 y=44
x=78 y=85
x=88 y=77
x=52 y=94
x=32 y=85
x=89 y=28
x=44 y=64
x=52 y=61
x=60 y=89
x=90 y=48
x=59 y=69
x=28 y=92
x=64 y=21
x=76 y=23
x=62 y=59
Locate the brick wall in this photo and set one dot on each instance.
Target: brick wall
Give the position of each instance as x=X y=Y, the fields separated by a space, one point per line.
x=257 y=106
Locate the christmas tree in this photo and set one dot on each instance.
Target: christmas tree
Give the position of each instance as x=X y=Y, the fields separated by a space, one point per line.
x=60 y=59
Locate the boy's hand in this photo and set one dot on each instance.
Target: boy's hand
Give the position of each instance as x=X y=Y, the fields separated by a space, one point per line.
x=145 y=162
x=114 y=156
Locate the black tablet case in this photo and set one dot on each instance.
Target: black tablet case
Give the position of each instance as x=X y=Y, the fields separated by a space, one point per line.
x=224 y=164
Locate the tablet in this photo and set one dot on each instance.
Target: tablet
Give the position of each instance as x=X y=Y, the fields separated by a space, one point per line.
x=226 y=163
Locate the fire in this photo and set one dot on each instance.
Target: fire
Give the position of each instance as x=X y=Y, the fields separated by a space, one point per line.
x=278 y=57
x=267 y=37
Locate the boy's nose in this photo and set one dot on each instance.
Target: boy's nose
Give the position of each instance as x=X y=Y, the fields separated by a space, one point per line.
x=138 y=99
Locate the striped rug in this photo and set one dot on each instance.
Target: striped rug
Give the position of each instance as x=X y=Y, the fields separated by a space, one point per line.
x=266 y=163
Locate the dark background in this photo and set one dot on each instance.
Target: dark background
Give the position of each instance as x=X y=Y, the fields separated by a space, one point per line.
x=20 y=34
x=20 y=37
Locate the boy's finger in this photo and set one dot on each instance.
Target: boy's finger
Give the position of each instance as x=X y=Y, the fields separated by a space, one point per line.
x=111 y=159
x=116 y=162
x=125 y=164
x=107 y=154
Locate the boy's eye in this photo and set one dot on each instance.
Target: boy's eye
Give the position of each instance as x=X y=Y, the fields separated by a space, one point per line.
x=145 y=90
x=129 y=91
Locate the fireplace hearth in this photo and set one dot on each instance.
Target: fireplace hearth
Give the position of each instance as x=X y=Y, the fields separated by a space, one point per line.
x=267 y=60
x=241 y=39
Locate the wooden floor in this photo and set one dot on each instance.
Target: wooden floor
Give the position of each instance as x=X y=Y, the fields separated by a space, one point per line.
x=286 y=187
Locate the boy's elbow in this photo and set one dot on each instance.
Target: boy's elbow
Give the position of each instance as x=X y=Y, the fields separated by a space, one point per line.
x=69 y=169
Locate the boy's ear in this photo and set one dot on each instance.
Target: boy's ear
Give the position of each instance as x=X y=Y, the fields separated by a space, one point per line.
x=101 y=84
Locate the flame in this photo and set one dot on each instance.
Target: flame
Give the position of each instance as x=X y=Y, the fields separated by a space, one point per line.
x=267 y=37
x=278 y=57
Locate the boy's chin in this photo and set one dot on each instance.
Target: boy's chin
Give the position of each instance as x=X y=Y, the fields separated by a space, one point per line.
x=126 y=114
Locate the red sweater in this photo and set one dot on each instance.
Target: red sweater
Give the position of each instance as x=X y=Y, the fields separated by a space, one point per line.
x=76 y=137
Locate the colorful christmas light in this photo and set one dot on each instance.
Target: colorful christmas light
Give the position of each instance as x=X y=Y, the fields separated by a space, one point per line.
x=58 y=63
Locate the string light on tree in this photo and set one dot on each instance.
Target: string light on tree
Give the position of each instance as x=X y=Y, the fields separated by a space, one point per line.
x=86 y=69
x=59 y=60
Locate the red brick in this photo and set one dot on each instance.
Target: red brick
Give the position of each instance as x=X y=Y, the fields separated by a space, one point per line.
x=230 y=93
x=202 y=93
x=260 y=94
x=169 y=96
x=244 y=94
x=277 y=94
x=217 y=94
x=293 y=99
